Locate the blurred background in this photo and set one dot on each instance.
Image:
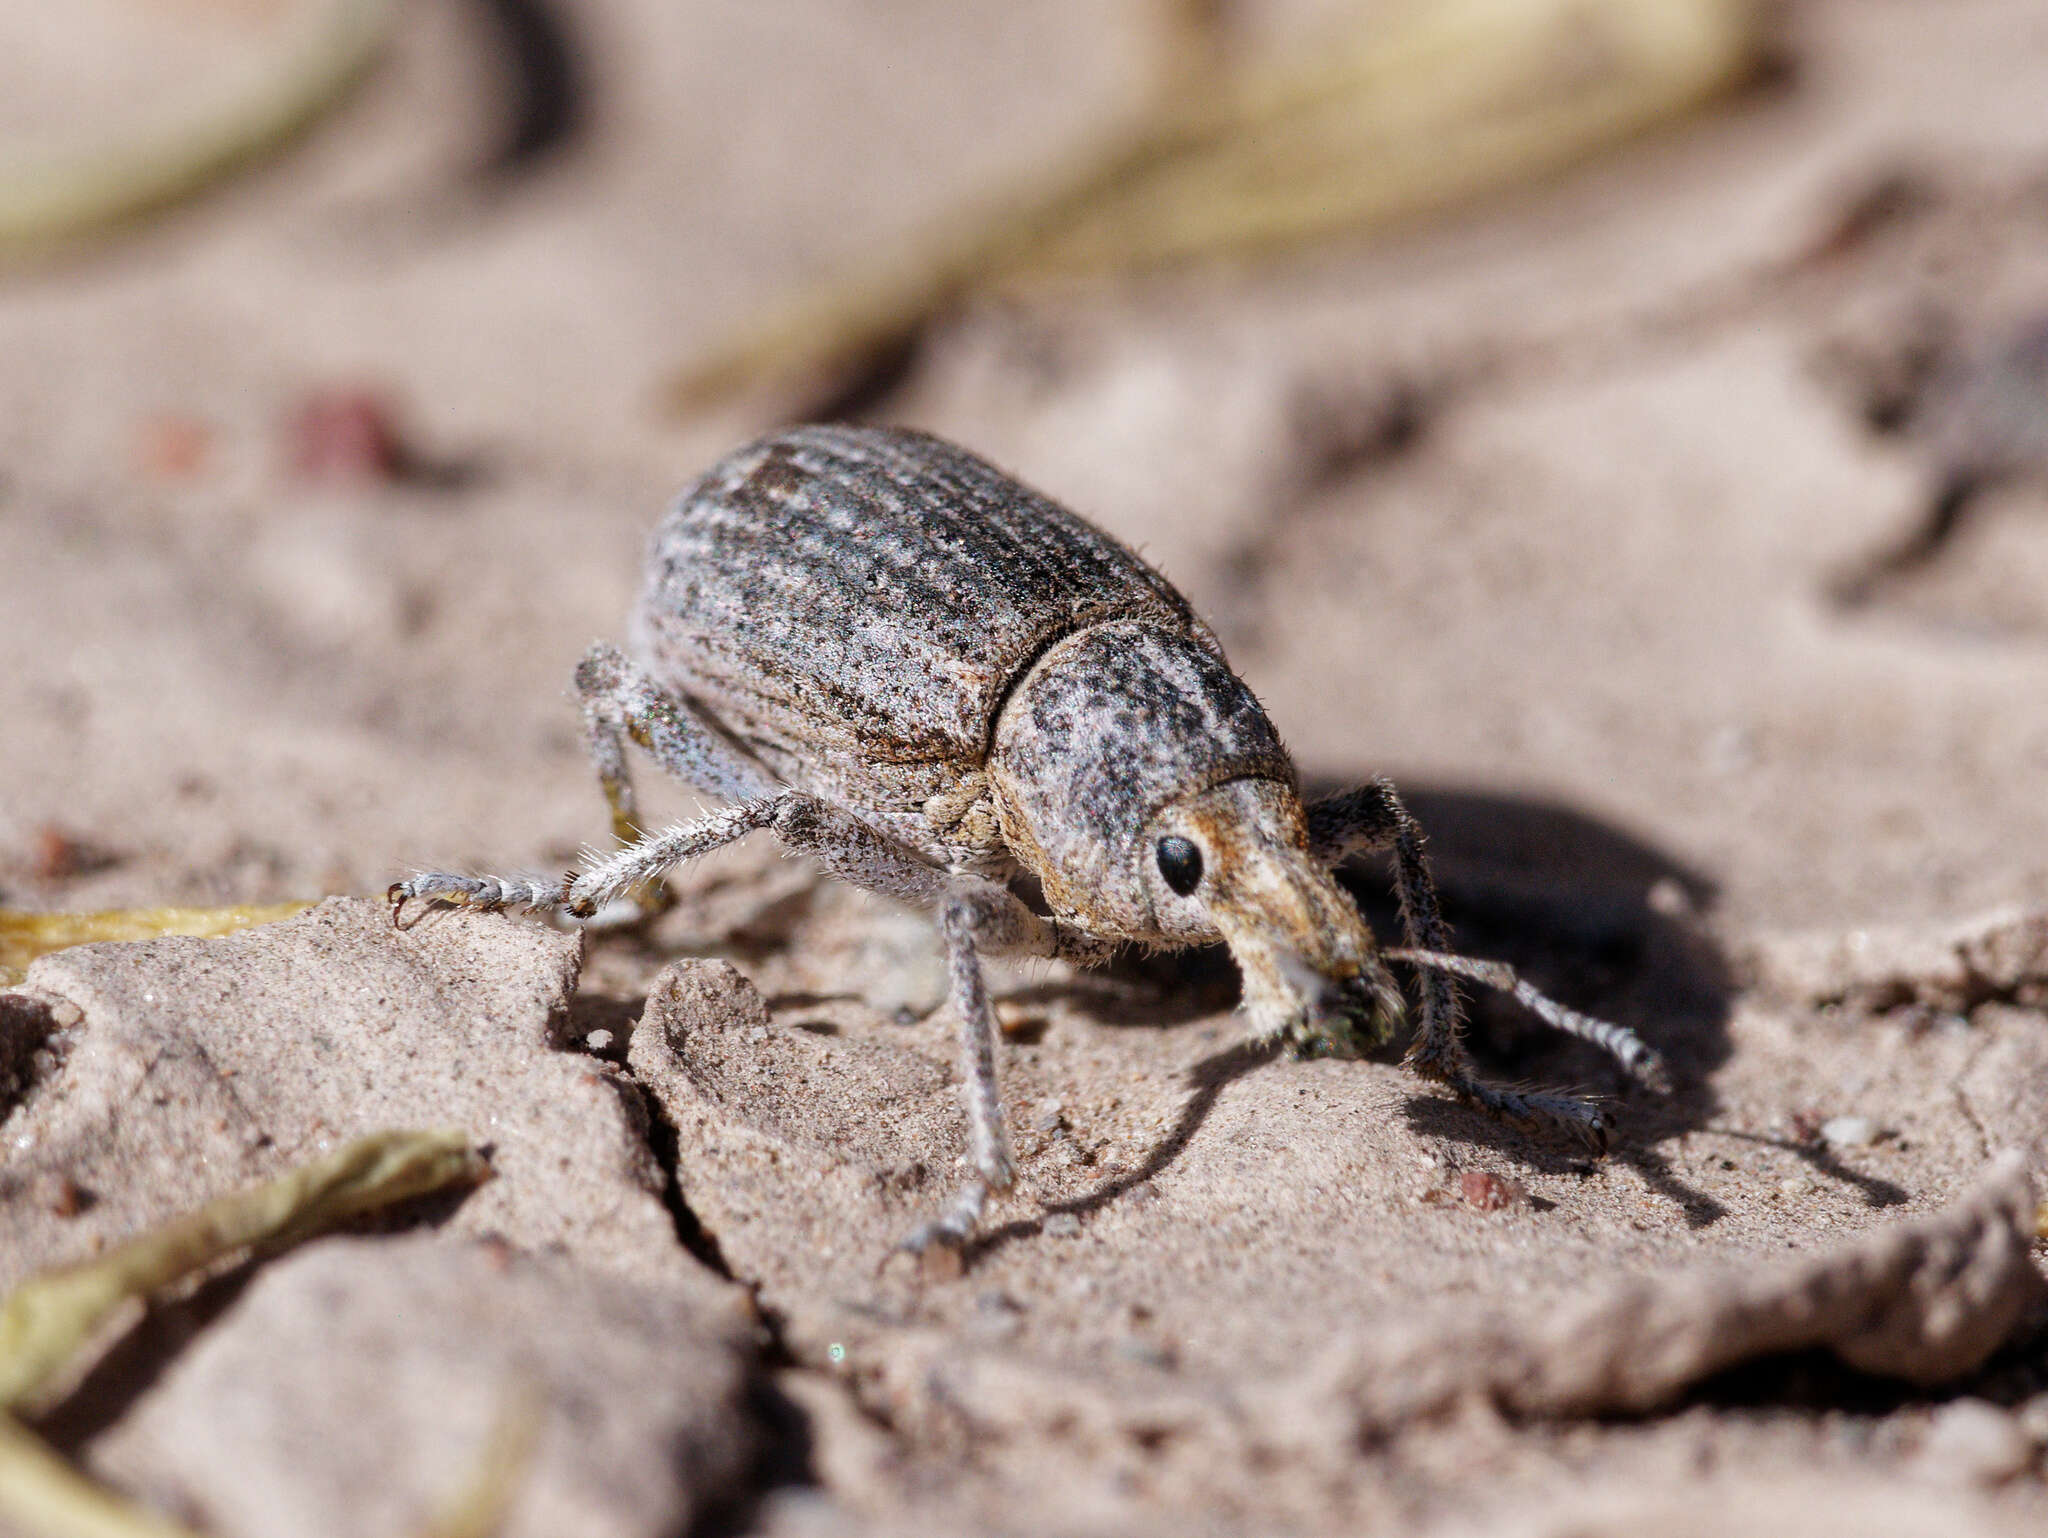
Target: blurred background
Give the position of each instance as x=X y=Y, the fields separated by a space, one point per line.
x=1619 y=420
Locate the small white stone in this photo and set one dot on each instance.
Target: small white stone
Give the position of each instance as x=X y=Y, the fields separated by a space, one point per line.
x=1797 y=1185
x=1667 y=896
x=1848 y=1132
x=1974 y=1443
x=598 y=1041
x=2033 y=1419
x=1061 y=1225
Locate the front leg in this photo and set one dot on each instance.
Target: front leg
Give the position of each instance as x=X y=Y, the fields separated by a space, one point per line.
x=978 y=918
x=988 y=1141
x=1372 y=817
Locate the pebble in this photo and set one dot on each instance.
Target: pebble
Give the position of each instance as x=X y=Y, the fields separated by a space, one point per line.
x=1134 y=1348
x=2033 y=1419
x=56 y=855
x=60 y=1195
x=1668 y=897
x=1060 y=1225
x=345 y=436
x=1972 y=1442
x=1491 y=1193
x=1848 y=1132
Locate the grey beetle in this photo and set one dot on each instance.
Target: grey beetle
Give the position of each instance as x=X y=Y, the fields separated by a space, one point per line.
x=934 y=680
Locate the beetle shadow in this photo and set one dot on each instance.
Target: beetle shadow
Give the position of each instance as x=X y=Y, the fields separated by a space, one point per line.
x=1608 y=923
x=1207 y=1080
x=1601 y=920
x=1591 y=915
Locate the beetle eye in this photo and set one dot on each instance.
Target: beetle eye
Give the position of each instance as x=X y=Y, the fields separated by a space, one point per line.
x=1180 y=862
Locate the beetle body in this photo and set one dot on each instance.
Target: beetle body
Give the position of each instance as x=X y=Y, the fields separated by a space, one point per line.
x=889 y=623
x=856 y=608
x=934 y=680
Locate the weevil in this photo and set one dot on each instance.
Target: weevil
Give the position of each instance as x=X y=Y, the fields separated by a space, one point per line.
x=936 y=682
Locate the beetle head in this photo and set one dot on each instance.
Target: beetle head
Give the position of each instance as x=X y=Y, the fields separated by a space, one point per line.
x=1233 y=861
x=1136 y=776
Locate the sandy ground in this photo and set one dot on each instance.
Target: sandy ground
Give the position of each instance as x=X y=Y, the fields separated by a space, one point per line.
x=1612 y=606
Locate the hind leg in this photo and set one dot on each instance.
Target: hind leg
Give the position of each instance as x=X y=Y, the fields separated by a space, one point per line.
x=620 y=701
x=977 y=917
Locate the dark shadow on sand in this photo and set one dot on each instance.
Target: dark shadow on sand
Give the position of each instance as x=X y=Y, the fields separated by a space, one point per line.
x=1590 y=914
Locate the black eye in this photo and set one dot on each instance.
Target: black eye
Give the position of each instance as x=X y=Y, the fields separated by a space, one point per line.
x=1180 y=862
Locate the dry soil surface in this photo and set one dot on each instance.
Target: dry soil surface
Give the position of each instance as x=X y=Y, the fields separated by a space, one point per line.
x=1608 y=520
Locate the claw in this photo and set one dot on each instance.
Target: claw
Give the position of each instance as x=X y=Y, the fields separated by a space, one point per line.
x=394 y=894
x=1597 y=1132
x=940 y=1245
x=580 y=908
x=1586 y=1125
x=939 y=1254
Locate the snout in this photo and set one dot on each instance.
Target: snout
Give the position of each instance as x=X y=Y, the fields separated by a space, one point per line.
x=1312 y=971
x=1350 y=999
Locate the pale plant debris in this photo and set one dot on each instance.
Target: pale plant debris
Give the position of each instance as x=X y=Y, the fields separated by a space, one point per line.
x=479 y=1506
x=47 y=1496
x=24 y=936
x=50 y=1319
x=55 y=197
x=1399 y=114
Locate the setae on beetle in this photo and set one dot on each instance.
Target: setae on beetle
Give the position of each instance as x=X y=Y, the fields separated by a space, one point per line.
x=934 y=680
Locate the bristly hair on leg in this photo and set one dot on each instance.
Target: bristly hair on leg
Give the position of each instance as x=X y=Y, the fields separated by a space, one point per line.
x=1638 y=1059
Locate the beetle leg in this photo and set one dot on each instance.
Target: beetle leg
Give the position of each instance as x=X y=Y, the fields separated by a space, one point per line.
x=845 y=845
x=1373 y=817
x=489 y=893
x=619 y=701
x=988 y=1143
x=978 y=917
x=581 y=894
